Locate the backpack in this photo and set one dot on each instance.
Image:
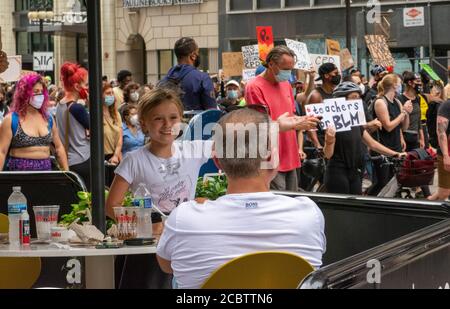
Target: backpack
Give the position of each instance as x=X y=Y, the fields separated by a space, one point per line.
x=173 y=84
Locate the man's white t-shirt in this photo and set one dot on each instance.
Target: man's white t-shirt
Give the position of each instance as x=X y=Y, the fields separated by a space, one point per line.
x=170 y=181
x=199 y=238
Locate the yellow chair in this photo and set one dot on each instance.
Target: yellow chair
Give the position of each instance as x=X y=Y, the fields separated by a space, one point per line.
x=260 y=270
x=17 y=273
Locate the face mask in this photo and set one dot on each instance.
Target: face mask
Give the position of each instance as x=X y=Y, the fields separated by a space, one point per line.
x=134 y=120
x=84 y=93
x=418 y=88
x=37 y=101
x=363 y=88
x=134 y=96
x=197 y=61
x=232 y=94
x=109 y=100
x=52 y=110
x=336 y=80
x=283 y=76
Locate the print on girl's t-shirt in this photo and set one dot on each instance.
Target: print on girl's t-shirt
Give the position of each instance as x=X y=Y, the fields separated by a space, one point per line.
x=170 y=195
x=169 y=168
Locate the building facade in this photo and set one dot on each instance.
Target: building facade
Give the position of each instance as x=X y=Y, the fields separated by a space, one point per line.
x=146 y=32
x=313 y=21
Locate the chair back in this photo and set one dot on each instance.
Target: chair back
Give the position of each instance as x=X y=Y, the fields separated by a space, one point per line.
x=261 y=270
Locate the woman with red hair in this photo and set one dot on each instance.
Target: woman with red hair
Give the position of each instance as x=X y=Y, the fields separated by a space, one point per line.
x=73 y=119
x=29 y=131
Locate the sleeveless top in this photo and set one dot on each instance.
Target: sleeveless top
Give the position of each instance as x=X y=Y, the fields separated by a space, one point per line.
x=22 y=140
x=392 y=139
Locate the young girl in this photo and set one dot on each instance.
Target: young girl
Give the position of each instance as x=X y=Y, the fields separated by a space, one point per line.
x=169 y=169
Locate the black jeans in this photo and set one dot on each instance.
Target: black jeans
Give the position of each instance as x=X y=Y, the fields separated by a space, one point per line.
x=84 y=171
x=343 y=180
x=383 y=174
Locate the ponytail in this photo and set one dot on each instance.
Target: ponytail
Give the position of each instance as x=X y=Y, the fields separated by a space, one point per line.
x=71 y=74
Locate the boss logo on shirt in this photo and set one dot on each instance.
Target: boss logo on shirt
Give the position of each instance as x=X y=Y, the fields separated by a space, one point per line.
x=251 y=205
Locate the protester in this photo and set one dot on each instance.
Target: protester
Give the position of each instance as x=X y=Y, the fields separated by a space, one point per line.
x=131 y=95
x=330 y=76
x=272 y=89
x=394 y=117
x=194 y=87
x=28 y=133
x=4 y=108
x=133 y=138
x=377 y=72
x=112 y=127
x=443 y=132
x=73 y=120
x=345 y=155
x=124 y=77
x=447 y=87
x=198 y=239
x=436 y=98
x=232 y=101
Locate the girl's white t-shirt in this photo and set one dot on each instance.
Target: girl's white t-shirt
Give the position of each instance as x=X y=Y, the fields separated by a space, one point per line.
x=170 y=181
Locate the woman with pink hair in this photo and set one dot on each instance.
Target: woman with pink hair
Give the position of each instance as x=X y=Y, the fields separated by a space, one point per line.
x=28 y=132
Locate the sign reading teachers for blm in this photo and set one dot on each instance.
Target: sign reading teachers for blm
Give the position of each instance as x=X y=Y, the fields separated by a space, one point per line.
x=342 y=114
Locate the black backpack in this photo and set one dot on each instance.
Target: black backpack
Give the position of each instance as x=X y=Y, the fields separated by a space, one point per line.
x=173 y=84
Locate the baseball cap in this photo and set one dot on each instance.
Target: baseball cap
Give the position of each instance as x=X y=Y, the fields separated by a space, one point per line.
x=326 y=68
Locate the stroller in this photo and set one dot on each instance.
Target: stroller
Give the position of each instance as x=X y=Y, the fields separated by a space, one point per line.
x=416 y=170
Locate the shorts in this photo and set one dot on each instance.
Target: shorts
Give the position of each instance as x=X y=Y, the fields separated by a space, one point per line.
x=20 y=164
x=444 y=176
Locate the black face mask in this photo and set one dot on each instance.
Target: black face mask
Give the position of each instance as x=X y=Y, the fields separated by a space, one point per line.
x=197 y=61
x=336 y=80
x=418 y=88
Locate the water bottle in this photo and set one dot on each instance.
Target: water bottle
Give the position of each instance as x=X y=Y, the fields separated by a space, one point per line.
x=16 y=204
x=143 y=200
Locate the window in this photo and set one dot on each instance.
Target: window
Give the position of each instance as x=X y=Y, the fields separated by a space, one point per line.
x=26 y=5
x=269 y=4
x=166 y=60
x=22 y=47
x=297 y=3
x=241 y=5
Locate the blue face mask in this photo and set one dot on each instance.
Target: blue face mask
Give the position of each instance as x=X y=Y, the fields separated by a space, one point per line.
x=109 y=100
x=283 y=76
x=232 y=94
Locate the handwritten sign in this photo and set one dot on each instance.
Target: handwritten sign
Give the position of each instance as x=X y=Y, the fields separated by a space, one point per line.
x=232 y=64
x=14 y=70
x=344 y=115
x=251 y=56
x=333 y=47
x=301 y=51
x=379 y=50
x=248 y=74
x=347 y=61
x=265 y=41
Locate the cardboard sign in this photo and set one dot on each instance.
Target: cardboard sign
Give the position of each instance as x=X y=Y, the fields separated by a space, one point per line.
x=347 y=61
x=248 y=74
x=301 y=51
x=379 y=50
x=333 y=47
x=14 y=71
x=414 y=17
x=232 y=64
x=344 y=115
x=430 y=71
x=250 y=55
x=265 y=41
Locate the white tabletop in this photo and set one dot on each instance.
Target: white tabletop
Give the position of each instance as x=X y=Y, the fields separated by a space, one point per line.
x=40 y=250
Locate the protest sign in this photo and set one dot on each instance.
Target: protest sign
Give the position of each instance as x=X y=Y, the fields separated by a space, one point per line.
x=250 y=55
x=333 y=47
x=341 y=113
x=232 y=64
x=346 y=59
x=379 y=50
x=265 y=41
x=301 y=51
x=14 y=70
x=430 y=71
x=248 y=74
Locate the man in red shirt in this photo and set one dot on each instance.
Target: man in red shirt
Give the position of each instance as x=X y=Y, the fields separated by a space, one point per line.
x=272 y=89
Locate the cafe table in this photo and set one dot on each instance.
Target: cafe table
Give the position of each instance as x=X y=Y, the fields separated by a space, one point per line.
x=99 y=263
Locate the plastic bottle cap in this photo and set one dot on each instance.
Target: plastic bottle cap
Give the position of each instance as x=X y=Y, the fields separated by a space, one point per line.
x=17 y=188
